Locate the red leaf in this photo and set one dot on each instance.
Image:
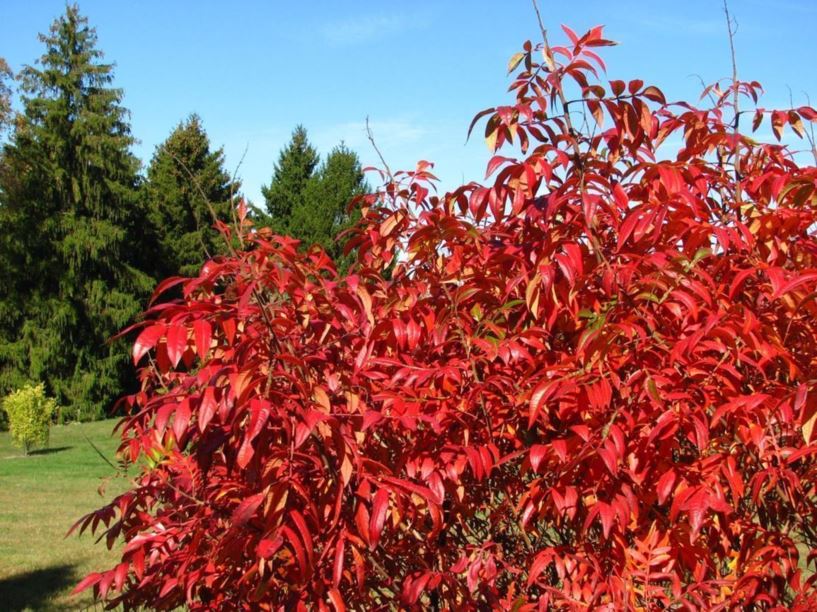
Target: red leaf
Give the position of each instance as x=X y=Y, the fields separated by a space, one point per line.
x=379 y=508
x=494 y=163
x=268 y=547
x=181 y=419
x=538 y=399
x=415 y=586
x=246 y=509
x=147 y=340
x=626 y=228
x=808 y=113
x=259 y=414
x=89 y=580
x=168 y=586
x=664 y=485
x=176 y=343
x=653 y=93
x=207 y=408
x=203 y=333
x=570 y=34
x=165 y=285
x=695 y=501
x=303 y=529
x=337 y=567
x=537 y=453
x=607 y=517
x=298 y=549
x=337 y=600
x=362 y=523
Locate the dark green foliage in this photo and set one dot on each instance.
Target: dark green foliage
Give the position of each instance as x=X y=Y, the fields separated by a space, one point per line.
x=323 y=212
x=68 y=214
x=296 y=164
x=309 y=202
x=186 y=184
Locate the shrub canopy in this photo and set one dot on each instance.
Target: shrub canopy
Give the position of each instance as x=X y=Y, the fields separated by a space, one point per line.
x=29 y=413
x=589 y=382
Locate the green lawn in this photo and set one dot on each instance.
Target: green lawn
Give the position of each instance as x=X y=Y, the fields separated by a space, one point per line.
x=41 y=496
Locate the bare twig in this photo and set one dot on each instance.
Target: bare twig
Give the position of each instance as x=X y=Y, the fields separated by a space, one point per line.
x=99 y=452
x=703 y=86
x=238 y=229
x=370 y=136
x=731 y=29
x=562 y=99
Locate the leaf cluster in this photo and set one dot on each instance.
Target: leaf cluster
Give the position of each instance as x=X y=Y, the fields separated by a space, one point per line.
x=589 y=383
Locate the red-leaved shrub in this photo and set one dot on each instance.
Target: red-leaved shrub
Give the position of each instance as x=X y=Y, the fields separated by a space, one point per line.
x=590 y=383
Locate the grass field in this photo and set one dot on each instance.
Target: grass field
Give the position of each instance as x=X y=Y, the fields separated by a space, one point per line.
x=41 y=496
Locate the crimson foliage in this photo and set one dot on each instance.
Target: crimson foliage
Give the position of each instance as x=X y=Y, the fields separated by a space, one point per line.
x=591 y=382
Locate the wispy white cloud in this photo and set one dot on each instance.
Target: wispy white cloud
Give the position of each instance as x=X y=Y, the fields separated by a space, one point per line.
x=362 y=29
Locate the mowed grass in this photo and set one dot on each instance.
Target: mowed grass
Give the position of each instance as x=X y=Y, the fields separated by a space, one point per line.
x=41 y=496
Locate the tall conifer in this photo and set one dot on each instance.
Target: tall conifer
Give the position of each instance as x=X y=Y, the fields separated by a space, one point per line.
x=322 y=214
x=69 y=214
x=186 y=184
x=296 y=164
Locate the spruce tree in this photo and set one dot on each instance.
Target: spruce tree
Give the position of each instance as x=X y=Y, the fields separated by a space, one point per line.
x=186 y=184
x=322 y=214
x=296 y=164
x=69 y=214
x=6 y=76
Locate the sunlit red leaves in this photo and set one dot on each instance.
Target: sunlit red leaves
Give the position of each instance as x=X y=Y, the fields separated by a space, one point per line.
x=147 y=340
x=588 y=383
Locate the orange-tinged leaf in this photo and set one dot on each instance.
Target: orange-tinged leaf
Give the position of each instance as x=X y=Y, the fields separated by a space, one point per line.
x=516 y=58
x=366 y=300
x=322 y=398
x=808 y=424
x=337 y=600
x=653 y=93
x=207 y=408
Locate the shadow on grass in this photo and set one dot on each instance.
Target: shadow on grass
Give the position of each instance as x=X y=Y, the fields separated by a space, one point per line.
x=34 y=589
x=49 y=451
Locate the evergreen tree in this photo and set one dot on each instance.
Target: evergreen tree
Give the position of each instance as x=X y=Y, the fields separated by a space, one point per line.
x=186 y=183
x=309 y=202
x=69 y=212
x=322 y=214
x=296 y=164
x=5 y=95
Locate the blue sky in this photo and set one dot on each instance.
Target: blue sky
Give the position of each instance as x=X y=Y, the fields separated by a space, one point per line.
x=419 y=70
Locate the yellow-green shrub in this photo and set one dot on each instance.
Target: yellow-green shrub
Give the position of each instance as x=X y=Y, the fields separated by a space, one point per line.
x=29 y=412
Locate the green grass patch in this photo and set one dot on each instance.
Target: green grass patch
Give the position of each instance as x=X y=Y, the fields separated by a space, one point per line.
x=41 y=496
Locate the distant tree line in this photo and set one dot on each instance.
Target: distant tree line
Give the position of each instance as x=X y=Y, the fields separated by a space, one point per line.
x=85 y=235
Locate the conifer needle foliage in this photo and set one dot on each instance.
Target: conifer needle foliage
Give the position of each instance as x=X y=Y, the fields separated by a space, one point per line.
x=71 y=275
